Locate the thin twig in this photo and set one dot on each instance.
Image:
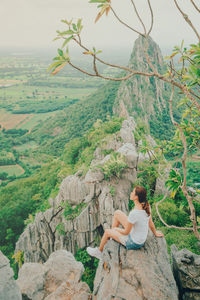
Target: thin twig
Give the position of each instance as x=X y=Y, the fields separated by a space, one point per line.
x=187 y=20
x=140 y=19
x=151 y=10
x=109 y=78
x=125 y=23
x=194 y=4
x=95 y=66
x=81 y=70
x=161 y=219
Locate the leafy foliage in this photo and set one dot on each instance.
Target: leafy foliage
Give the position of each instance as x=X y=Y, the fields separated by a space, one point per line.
x=19 y=258
x=70 y=213
x=90 y=264
x=114 y=165
x=174 y=181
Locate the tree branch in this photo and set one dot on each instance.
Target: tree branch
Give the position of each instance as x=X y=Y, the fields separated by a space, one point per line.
x=81 y=70
x=184 y=157
x=194 y=4
x=151 y=17
x=125 y=23
x=187 y=20
x=161 y=219
x=140 y=19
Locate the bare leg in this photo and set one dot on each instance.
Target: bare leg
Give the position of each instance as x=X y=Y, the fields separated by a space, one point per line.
x=119 y=218
x=107 y=234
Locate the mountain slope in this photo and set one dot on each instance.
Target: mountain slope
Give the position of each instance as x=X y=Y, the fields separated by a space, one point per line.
x=147 y=97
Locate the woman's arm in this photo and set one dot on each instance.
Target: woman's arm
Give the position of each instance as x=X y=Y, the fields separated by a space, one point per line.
x=153 y=228
x=125 y=230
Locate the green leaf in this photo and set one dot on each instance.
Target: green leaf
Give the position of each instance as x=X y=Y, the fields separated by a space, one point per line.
x=66 y=22
x=182 y=44
x=56 y=38
x=60 y=52
x=67 y=41
x=55 y=64
x=58 y=68
x=56 y=58
x=79 y=23
x=74 y=27
x=69 y=31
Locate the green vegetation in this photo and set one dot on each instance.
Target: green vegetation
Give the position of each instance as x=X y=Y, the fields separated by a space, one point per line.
x=19 y=258
x=27 y=107
x=90 y=264
x=112 y=190
x=174 y=213
x=71 y=213
x=114 y=166
x=61 y=229
x=22 y=199
x=6 y=158
x=78 y=153
x=75 y=120
x=50 y=146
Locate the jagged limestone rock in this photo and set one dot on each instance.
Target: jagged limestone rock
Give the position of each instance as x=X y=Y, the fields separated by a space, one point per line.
x=42 y=238
x=140 y=94
x=73 y=190
x=130 y=153
x=94 y=175
x=142 y=274
x=186 y=269
x=9 y=290
x=52 y=230
x=126 y=132
x=59 y=278
x=31 y=280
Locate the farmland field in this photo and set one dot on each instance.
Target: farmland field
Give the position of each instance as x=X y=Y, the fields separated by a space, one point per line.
x=29 y=95
x=12 y=170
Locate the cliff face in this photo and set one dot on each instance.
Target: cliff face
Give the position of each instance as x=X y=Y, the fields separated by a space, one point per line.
x=124 y=275
x=9 y=290
x=141 y=96
x=135 y=274
x=97 y=197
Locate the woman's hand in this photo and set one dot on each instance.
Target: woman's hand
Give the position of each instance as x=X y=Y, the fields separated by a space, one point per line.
x=159 y=234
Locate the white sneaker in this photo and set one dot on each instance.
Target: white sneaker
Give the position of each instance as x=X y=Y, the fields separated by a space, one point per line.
x=94 y=252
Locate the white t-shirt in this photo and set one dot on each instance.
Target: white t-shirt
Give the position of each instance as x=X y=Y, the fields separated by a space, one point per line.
x=140 y=219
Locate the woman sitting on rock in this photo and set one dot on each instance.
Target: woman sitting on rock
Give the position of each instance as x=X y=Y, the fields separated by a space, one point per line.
x=134 y=233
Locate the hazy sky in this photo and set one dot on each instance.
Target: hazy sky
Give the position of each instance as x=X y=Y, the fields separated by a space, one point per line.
x=33 y=23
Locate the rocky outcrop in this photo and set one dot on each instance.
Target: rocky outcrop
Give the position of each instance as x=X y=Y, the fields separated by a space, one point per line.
x=143 y=274
x=141 y=94
x=57 y=228
x=9 y=290
x=146 y=98
x=59 y=278
x=186 y=269
x=52 y=230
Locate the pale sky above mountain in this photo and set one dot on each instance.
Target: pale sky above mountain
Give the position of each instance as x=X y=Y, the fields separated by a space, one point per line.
x=33 y=23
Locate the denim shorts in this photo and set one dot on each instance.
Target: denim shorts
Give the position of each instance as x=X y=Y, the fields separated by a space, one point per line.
x=127 y=241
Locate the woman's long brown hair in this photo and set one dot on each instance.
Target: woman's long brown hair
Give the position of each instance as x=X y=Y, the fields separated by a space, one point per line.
x=141 y=192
